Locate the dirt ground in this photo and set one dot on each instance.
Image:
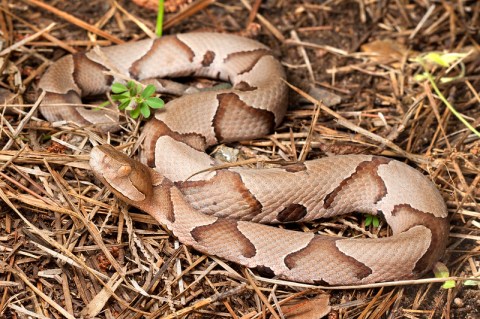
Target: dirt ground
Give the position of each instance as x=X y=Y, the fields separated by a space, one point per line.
x=65 y=239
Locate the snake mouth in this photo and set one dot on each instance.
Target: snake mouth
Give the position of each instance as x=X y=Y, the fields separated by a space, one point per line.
x=96 y=158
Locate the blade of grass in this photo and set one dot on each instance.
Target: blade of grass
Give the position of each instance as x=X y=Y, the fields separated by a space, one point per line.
x=450 y=106
x=159 y=28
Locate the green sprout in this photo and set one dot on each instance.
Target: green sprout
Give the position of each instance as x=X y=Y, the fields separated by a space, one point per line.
x=135 y=98
x=445 y=60
x=441 y=271
x=372 y=220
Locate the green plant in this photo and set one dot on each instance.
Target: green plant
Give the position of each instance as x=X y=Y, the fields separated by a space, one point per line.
x=444 y=60
x=135 y=98
x=372 y=220
x=159 y=27
x=441 y=271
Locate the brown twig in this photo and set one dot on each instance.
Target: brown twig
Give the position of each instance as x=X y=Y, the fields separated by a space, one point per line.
x=70 y=18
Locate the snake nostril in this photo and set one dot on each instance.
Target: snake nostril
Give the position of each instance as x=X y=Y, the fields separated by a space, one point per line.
x=124 y=170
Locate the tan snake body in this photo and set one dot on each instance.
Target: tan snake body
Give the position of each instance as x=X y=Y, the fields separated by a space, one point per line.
x=222 y=212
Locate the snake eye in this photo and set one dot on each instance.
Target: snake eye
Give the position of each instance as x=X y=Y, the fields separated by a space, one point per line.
x=124 y=170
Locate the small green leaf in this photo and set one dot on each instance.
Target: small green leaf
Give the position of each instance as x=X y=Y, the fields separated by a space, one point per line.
x=118 y=88
x=436 y=58
x=117 y=97
x=368 y=220
x=445 y=79
x=451 y=58
x=123 y=105
x=145 y=110
x=441 y=271
x=444 y=59
x=135 y=113
x=130 y=85
x=375 y=221
x=421 y=77
x=148 y=91
x=372 y=220
x=132 y=88
x=155 y=102
x=132 y=92
x=448 y=284
x=103 y=104
x=139 y=89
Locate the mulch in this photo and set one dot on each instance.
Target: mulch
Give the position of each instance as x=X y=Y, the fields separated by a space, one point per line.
x=69 y=248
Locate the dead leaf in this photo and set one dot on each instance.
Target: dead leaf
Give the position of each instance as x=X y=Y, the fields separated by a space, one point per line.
x=386 y=51
x=328 y=98
x=6 y=97
x=314 y=308
x=169 y=5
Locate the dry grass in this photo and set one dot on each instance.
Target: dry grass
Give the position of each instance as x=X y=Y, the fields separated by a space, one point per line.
x=70 y=248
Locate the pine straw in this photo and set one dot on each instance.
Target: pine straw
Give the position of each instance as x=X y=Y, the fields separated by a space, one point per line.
x=70 y=247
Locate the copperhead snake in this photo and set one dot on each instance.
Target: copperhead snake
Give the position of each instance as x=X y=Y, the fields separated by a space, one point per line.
x=223 y=212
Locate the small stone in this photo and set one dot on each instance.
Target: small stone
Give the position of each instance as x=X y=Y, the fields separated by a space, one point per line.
x=458 y=302
x=327 y=97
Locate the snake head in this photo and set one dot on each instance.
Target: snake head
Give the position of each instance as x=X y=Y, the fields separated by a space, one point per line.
x=128 y=179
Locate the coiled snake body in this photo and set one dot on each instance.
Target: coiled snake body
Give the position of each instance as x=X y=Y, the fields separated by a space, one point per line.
x=223 y=212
